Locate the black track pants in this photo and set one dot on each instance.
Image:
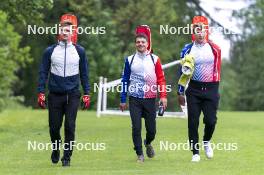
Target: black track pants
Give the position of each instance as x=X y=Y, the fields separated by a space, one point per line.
x=142 y=108
x=201 y=97
x=60 y=105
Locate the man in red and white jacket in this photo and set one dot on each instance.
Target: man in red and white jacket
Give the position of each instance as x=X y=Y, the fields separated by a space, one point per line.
x=202 y=94
x=142 y=78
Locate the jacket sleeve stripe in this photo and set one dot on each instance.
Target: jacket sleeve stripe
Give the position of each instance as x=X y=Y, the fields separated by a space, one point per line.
x=125 y=81
x=161 y=82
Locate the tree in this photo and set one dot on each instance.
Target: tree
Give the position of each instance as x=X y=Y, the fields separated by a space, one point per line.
x=229 y=88
x=11 y=58
x=247 y=59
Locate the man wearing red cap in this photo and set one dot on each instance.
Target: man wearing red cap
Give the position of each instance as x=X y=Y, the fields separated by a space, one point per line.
x=142 y=78
x=63 y=65
x=202 y=92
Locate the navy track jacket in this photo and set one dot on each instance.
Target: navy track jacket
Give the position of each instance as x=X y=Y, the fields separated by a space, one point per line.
x=64 y=66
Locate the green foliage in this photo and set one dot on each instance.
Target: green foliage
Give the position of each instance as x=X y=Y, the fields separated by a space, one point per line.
x=248 y=63
x=15 y=53
x=25 y=11
x=247 y=60
x=229 y=88
x=11 y=57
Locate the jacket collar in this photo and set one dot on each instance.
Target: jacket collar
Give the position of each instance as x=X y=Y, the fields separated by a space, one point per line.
x=142 y=55
x=199 y=44
x=61 y=43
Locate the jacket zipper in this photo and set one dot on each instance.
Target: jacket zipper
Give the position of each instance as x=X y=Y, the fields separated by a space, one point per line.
x=65 y=59
x=67 y=96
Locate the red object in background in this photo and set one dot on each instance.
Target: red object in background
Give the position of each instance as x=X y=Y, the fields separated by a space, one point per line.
x=70 y=18
x=145 y=29
x=201 y=20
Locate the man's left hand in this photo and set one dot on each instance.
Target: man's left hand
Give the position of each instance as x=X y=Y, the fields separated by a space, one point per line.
x=164 y=102
x=85 y=101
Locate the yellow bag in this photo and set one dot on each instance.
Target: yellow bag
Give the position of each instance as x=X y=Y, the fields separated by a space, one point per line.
x=187 y=69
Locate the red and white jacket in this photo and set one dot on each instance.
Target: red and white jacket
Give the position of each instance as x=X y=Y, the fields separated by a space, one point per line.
x=143 y=77
x=207 y=58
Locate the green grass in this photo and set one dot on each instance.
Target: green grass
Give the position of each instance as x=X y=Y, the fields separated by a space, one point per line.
x=17 y=127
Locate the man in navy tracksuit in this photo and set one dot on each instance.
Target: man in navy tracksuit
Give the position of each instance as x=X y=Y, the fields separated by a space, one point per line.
x=63 y=64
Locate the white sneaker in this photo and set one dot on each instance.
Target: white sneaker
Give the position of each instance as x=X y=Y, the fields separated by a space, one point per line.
x=196 y=158
x=209 y=152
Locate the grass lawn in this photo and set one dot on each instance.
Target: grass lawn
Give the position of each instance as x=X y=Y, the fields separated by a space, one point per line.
x=17 y=127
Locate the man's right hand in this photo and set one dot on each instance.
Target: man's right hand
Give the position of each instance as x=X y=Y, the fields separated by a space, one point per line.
x=181 y=100
x=122 y=106
x=41 y=100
